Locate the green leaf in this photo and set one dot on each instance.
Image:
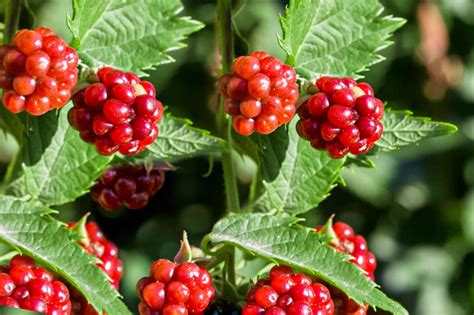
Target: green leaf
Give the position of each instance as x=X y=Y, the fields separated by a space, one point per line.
x=276 y=238
x=401 y=129
x=130 y=35
x=179 y=140
x=57 y=165
x=11 y=123
x=335 y=37
x=296 y=177
x=22 y=223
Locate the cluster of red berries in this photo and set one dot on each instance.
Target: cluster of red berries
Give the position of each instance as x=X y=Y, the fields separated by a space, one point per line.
x=260 y=93
x=119 y=113
x=37 y=72
x=24 y=285
x=344 y=116
x=288 y=293
x=99 y=246
x=175 y=289
x=128 y=185
x=354 y=245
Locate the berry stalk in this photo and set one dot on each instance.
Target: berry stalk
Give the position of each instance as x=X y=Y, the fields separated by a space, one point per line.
x=12 y=17
x=226 y=49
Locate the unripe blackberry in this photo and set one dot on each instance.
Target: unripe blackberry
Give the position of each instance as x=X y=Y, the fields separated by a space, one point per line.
x=260 y=93
x=128 y=185
x=37 y=72
x=285 y=292
x=26 y=286
x=118 y=113
x=342 y=117
x=175 y=288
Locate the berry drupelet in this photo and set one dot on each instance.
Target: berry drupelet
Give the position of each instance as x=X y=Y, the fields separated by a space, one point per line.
x=118 y=113
x=128 y=185
x=24 y=285
x=344 y=116
x=260 y=93
x=288 y=293
x=37 y=72
x=175 y=289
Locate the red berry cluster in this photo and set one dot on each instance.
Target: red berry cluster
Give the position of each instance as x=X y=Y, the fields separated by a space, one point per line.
x=24 y=285
x=288 y=293
x=175 y=289
x=344 y=116
x=260 y=93
x=128 y=185
x=354 y=245
x=99 y=246
x=119 y=113
x=37 y=72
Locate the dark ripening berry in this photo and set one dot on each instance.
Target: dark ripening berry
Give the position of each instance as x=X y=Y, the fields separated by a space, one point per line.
x=35 y=68
x=131 y=186
x=125 y=114
x=175 y=289
x=343 y=117
x=260 y=93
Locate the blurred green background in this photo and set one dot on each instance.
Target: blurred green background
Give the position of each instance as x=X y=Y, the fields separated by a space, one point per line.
x=416 y=208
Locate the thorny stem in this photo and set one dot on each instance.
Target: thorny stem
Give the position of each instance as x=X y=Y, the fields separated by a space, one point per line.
x=12 y=18
x=226 y=47
x=225 y=41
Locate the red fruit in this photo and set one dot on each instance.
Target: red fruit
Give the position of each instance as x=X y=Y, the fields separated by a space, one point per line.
x=250 y=108
x=287 y=293
x=343 y=117
x=349 y=136
x=37 y=105
x=318 y=104
x=260 y=93
x=13 y=102
x=266 y=124
x=244 y=126
x=162 y=270
x=14 y=61
x=246 y=67
x=154 y=295
x=124 y=111
x=366 y=88
x=23 y=285
x=187 y=289
x=131 y=186
x=35 y=67
x=6 y=285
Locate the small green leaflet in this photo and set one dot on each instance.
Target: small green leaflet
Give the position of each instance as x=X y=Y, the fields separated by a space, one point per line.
x=335 y=37
x=57 y=165
x=20 y=225
x=296 y=177
x=130 y=35
x=178 y=140
x=401 y=129
x=277 y=238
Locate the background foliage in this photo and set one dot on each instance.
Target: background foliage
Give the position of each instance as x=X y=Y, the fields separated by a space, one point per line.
x=416 y=207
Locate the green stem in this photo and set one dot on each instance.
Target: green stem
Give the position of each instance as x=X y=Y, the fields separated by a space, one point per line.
x=226 y=48
x=12 y=18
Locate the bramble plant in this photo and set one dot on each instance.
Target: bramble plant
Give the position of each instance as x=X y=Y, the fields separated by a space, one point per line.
x=88 y=123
